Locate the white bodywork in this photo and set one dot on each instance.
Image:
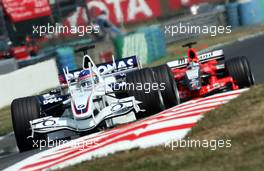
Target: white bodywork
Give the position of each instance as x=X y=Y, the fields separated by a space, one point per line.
x=217 y=54
x=89 y=106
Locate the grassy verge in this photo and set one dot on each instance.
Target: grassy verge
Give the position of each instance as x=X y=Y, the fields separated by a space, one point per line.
x=175 y=50
x=5 y=121
x=240 y=121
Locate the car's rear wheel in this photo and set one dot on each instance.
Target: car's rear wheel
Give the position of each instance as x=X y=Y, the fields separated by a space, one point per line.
x=169 y=88
x=239 y=69
x=24 y=110
x=151 y=97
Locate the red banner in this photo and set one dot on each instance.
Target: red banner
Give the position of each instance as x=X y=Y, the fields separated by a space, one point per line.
x=20 y=10
x=176 y=4
x=126 y=11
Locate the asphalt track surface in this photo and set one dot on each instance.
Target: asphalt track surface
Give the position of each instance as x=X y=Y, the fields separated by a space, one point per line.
x=252 y=48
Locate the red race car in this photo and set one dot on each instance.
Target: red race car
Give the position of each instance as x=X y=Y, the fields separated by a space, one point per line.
x=209 y=73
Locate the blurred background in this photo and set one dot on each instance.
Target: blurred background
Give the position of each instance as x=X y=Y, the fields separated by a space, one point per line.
x=141 y=23
x=127 y=28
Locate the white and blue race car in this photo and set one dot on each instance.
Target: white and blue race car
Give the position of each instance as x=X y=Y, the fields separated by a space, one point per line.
x=94 y=98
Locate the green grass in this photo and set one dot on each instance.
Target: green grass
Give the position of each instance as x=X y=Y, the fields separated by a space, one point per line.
x=240 y=121
x=5 y=121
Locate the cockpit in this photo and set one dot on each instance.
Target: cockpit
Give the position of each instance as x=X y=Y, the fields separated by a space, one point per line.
x=87 y=79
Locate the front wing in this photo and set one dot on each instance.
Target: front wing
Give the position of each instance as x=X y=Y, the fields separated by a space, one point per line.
x=50 y=124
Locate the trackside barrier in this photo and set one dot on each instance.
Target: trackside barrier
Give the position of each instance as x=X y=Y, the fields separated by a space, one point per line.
x=28 y=81
x=250 y=13
x=65 y=58
x=147 y=43
x=8 y=65
x=262 y=9
x=232 y=14
x=214 y=18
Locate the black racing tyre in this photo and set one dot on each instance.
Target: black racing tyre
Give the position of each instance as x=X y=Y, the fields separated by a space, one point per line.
x=247 y=67
x=239 y=69
x=24 y=110
x=169 y=88
x=152 y=101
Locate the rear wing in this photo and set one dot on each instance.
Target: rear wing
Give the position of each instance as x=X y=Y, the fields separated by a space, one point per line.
x=122 y=66
x=181 y=63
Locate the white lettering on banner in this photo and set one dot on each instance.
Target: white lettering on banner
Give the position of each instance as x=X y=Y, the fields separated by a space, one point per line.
x=118 y=11
x=185 y=2
x=98 y=4
x=117 y=8
x=138 y=6
x=74 y=18
x=134 y=7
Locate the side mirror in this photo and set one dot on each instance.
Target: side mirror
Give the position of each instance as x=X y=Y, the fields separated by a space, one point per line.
x=84 y=49
x=189 y=45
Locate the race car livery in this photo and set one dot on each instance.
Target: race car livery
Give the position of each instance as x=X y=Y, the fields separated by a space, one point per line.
x=88 y=100
x=209 y=73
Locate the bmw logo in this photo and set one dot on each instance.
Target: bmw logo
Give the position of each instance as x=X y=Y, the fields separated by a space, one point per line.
x=81 y=106
x=117 y=107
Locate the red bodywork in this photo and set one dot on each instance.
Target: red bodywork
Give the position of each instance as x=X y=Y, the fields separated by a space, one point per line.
x=213 y=83
x=23 y=52
x=19 y=52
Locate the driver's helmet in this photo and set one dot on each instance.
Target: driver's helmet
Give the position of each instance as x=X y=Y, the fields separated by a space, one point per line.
x=193 y=64
x=86 y=78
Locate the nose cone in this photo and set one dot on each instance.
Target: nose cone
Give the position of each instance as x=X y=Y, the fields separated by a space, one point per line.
x=81 y=105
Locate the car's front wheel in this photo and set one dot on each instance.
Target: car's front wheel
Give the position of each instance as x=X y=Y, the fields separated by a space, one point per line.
x=240 y=70
x=24 y=110
x=142 y=85
x=169 y=90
